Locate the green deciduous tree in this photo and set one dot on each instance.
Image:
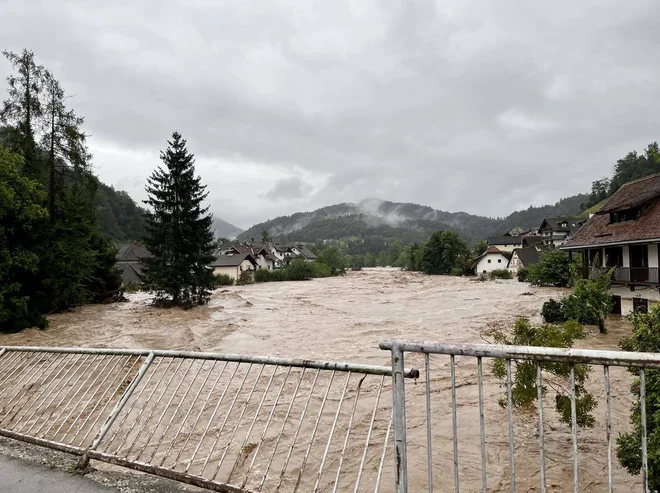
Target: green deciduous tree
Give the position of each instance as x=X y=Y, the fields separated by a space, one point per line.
x=444 y=251
x=645 y=338
x=179 y=236
x=553 y=269
x=333 y=258
x=21 y=215
x=590 y=301
x=556 y=375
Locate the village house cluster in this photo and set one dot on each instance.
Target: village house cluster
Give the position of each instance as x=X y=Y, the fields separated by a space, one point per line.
x=518 y=248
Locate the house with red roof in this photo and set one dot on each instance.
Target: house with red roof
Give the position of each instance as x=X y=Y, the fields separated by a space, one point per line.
x=624 y=236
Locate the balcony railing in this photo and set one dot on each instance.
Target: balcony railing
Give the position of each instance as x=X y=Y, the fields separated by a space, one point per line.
x=647 y=275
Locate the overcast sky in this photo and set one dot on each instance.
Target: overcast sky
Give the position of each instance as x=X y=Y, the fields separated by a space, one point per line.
x=476 y=105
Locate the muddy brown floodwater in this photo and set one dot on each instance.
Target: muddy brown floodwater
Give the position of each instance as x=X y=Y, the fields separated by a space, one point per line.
x=343 y=319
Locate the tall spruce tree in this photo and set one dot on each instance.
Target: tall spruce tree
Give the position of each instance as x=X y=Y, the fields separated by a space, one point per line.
x=179 y=236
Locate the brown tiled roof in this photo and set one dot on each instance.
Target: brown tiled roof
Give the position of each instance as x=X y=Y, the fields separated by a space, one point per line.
x=632 y=194
x=598 y=230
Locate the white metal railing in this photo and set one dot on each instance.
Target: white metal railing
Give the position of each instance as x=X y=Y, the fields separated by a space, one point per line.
x=224 y=422
x=541 y=355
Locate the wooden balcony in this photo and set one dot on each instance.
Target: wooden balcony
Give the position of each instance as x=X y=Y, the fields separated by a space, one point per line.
x=627 y=275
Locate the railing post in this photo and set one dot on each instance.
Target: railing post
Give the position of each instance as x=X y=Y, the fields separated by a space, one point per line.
x=399 y=418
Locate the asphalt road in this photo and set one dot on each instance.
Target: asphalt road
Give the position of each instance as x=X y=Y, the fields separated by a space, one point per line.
x=22 y=476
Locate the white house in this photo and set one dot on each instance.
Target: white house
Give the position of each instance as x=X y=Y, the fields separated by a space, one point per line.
x=233 y=264
x=523 y=257
x=492 y=259
x=557 y=230
x=257 y=251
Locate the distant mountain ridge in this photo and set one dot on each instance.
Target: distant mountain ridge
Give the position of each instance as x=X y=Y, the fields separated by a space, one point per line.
x=402 y=221
x=223 y=229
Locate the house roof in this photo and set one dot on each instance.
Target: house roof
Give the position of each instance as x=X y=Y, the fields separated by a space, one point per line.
x=598 y=231
x=305 y=252
x=232 y=260
x=632 y=194
x=130 y=271
x=554 y=224
x=532 y=239
x=504 y=240
x=130 y=252
x=527 y=256
x=492 y=251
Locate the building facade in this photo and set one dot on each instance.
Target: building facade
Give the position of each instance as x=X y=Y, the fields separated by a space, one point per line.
x=492 y=259
x=623 y=236
x=556 y=231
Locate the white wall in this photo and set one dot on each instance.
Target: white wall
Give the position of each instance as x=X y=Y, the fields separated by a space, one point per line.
x=230 y=271
x=626 y=256
x=627 y=296
x=653 y=255
x=514 y=264
x=484 y=265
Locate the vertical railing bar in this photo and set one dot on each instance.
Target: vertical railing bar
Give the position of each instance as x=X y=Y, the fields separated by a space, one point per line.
x=539 y=397
x=454 y=421
x=382 y=457
x=121 y=377
x=192 y=406
x=576 y=480
x=642 y=402
x=215 y=411
x=176 y=410
x=153 y=410
x=279 y=435
x=137 y=399
x=254 y=420
x=482 y=425
x=59 y=409
x=263 y=434
x=316 y=425
x=510 y=418
x=332 y=431
x=68 y=359
x=30 y=404
x=89 y=387
x=295 y=435
x=201 y=411
x=238 y=423
x=74 y=367
x=371 y=427
x=428 y=421
x=19 y=388
x=399 y=418
x=123 y=400
x=2 y=363
x=608 y=399
x=348 y=433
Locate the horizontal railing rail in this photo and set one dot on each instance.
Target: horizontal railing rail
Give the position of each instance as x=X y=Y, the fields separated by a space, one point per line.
x=511 y=355
x=646 y=275
x=225 y=422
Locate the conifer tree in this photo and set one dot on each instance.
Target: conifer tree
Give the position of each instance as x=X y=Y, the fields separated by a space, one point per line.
x=179 y=236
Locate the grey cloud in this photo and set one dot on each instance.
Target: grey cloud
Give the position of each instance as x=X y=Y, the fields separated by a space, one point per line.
x=289 y=189
x=475 y=106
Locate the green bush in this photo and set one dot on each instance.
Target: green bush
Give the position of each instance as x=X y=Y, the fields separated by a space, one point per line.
x=500 y=274
x=553 y=269
x=645 y=338
x=334 y=260
x=132 y=287
x=222 y=280
x=590 y=301
x=523 y=274
x=246 y=277
x=299 y=270
x=262 y=275
x=457 y=271
x=321 y=269
x=278 y=275
x=553 y=312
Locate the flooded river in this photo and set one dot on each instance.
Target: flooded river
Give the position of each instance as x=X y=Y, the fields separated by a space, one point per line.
x=343 y=319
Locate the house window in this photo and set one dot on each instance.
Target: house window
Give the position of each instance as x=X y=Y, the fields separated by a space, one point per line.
x=627 y=215
x=489 y=261
x=499 y=260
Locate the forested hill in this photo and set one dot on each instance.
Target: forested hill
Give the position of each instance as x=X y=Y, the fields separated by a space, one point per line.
x=119 y=217
x=401 y=221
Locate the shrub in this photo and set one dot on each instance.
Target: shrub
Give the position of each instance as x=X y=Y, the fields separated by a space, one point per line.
x=222 y=280
x=524 y=389
x=553 y=269
x=262 y=275
x=246 y=277
x=321 y=269
x=334 y=260
x=645 y=338
x=132 y=287
x=457 y=271
x=523 y=274
x=500 y=274
x=278 y=275
x=553 y=312
x=590 y=301
x=299 y=270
